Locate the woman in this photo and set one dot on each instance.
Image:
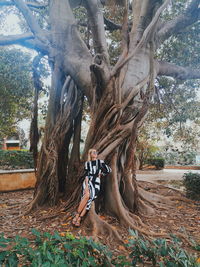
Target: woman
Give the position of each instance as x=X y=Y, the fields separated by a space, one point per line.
x=94 y=169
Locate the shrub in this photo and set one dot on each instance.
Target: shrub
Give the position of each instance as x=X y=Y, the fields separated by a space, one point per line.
x=159 y=252
x=191 y=181
x=16 y=159
x=52 y=250
x=60 y=250
x=159 y=163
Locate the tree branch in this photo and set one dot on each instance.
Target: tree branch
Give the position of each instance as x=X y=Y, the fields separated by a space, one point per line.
x=178 y=72
x=96 y=21
x=30 y=19
x=187 y=18
x=29 y=4
x=27 y=40
x=15 y=39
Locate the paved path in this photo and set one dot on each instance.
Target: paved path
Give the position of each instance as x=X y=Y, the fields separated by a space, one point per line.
x=166 y=174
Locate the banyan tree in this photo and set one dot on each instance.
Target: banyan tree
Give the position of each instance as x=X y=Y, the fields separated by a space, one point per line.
x=118 y=95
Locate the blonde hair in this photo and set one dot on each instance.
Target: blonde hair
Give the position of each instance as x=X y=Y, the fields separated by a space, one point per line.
x=89 y=153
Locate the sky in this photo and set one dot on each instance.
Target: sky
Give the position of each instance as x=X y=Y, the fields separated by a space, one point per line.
x=11 y=25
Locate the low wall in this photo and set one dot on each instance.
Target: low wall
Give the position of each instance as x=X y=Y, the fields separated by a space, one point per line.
x=183 y=167
x=16 y=180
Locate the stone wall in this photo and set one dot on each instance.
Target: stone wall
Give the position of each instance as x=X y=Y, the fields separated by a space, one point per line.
x=17 y=180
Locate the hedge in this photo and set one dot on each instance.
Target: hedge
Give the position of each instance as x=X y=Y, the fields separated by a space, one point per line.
x=16 y=159
x=159 y=163
x=191 y=181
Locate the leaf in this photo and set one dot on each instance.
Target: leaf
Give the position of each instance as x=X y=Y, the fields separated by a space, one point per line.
x=46 y=264
x=36 y=232
x=122 y=248
x=62 y=234
x=49 y=256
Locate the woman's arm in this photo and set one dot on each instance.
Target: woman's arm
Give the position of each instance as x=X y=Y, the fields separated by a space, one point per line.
x=105 y=168
x=86 y=169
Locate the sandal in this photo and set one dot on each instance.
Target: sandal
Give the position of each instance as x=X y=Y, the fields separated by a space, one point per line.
x=76 y=217
x=78 y=221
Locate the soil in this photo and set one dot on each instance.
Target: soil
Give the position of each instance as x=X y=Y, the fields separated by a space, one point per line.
x=181 y=217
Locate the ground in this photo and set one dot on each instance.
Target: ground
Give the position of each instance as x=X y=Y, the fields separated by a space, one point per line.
x=181 y=217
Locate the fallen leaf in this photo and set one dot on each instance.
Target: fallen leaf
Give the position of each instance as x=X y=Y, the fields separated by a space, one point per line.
x=121 y=248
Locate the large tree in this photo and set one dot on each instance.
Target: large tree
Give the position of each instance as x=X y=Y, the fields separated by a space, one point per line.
x=118 y=95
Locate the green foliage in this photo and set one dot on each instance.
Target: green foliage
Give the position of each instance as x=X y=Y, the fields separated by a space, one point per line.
x=52 y=251
x=191 y=182
x=175 y=156
x=60 y=250
x=16 y=159
x=16 y=89
x=159 y=252
x=159 y=163
x=146 y=147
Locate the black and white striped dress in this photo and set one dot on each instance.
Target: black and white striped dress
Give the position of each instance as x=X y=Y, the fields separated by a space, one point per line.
x=93 y=169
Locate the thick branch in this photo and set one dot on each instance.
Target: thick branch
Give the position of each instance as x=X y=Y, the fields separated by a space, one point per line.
x=96 y=21
x=30 y=19
x=15 y=39
x=70 y=48
x=145 y=38
x=29 y=4
x=183 y=73
x=190 y=16
x=26 y=39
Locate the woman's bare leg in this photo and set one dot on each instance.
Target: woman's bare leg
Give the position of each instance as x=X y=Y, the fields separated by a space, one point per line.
x=83 y=203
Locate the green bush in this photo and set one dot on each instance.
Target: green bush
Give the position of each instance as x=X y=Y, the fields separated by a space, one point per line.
x=191 y=181
x=159 y=163
x=52 y=251
x=60 y=250
x=16 y=159
x=159 y=252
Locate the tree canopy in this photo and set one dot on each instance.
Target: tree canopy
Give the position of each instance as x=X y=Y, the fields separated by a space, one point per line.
x=16 y=89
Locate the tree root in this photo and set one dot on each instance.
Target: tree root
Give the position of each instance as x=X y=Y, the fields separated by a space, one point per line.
x=101 y=227
x=152 y=197
x=145 y=209
x=164 y=186
x=184 y=199
x=154 y=205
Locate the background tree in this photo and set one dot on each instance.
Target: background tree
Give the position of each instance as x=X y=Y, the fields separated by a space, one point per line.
x=173 y=116
x=119 y=96
x=16 y=89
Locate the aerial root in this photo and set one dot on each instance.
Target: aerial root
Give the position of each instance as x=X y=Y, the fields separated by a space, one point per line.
x=150 y=202
x=101 y=227
x=163 y=186
x=138 y=220
x=185 y=238
x=145 y=209
x=142 y=229
x=127 y=220
x=148 y=196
